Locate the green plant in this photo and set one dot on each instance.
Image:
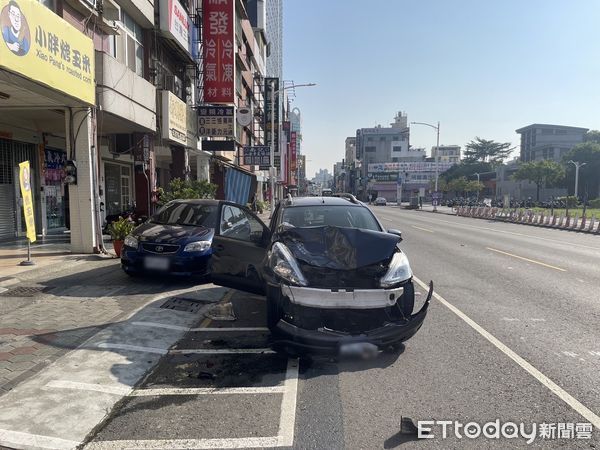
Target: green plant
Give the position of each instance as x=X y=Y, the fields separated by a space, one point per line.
x=119 y=229
x=571 y=201
x=261 y=205
x=182 y=189
x=594 y=203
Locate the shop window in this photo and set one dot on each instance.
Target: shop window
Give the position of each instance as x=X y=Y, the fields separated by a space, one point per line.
x=117 y=181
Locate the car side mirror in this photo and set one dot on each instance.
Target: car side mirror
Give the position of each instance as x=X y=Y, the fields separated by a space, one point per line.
x=396 y=232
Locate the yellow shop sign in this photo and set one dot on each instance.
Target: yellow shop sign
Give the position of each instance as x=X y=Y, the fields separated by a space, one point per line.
x=39 y=45
x=25 y=182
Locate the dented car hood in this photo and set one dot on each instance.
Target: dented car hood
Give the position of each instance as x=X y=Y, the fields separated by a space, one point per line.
x=339 y=248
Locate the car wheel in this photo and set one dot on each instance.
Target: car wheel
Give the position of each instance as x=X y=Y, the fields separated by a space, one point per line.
x=408 y=299
x=133 y=274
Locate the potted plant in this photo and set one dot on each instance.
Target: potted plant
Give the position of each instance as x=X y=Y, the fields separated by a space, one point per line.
x=118 y=230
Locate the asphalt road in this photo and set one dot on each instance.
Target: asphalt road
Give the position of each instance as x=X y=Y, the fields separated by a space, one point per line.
x=514 y=336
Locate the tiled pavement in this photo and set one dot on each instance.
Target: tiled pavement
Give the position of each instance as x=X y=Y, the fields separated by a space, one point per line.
x=73 y=303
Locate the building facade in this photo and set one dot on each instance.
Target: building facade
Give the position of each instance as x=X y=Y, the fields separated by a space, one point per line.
x=446 y=153
x=543 y=141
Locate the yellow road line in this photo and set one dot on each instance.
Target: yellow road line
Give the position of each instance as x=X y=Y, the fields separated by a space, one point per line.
x=423 y=229
x=526 y=259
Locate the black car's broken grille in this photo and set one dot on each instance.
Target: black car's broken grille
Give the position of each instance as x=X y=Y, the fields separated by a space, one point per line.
x=362 y=278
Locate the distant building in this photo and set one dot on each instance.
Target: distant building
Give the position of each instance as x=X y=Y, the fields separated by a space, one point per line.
x=274 y=33
x=350 y=150
x=447 y=153
x=520 y=190
x=541 y=141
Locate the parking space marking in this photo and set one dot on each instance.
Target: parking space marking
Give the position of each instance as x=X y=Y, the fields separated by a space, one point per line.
x=166 y=326
x=28 y=440
x=543 y=379
x=526 y=259
x=230 y=329
x=208 y=391
x=221 y=351
x=176 y=444
x=284 y=438
x=287 y=419
x=65 y=384
x=423 y=229
x=135 y=348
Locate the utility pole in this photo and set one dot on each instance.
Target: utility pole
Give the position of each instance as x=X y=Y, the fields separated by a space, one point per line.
x=437 y=153
x=577 y=165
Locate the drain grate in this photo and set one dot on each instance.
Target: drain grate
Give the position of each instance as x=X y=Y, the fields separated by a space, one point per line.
x=23 y=291
x=183 y=304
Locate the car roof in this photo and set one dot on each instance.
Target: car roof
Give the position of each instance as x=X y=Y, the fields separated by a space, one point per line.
x=320 y=201
x=198 y=201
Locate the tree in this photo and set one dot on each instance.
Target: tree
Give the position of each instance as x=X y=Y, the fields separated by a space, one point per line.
x=466 y=169
x=589 y=180
x=474 y=186
x=482 y=150
x=181 y=189
x=543 y=173
x=458 y=185
x=592 y=136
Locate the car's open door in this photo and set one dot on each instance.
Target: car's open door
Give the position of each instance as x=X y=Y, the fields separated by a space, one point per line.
x=239 y=249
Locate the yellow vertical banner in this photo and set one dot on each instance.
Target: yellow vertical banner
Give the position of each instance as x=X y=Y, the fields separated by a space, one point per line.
x=25 y=182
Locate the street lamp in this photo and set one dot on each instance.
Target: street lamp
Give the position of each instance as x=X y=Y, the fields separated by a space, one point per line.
x=437 y=154
x=272 y=158
x=577 y=165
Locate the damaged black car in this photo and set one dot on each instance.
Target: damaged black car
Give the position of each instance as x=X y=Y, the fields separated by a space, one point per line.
x=335 y=280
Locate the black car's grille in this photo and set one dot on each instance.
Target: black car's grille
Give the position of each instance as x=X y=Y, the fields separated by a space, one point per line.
x=362 y=278
x=160 y=249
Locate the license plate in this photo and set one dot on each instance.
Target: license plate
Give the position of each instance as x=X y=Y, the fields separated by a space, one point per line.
x=156 y=263
x=359 y=349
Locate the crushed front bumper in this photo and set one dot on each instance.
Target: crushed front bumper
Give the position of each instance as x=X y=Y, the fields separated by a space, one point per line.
x=328 y=341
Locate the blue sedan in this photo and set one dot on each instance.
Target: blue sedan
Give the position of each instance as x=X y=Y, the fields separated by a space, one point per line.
x=177 y=240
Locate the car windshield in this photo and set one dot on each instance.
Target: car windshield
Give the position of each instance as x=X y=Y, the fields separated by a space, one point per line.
x=187 y=214
x=335 y=216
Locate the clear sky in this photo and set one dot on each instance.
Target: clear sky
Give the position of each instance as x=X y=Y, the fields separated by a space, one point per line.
x=481 y=67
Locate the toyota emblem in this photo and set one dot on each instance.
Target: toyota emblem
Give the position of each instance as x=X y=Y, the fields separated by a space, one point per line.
x=159 y=248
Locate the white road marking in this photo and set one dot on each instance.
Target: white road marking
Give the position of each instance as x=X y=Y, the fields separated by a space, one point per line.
x=287 y=419
x=220 y=351
x=571 y=354
x=180 y=328
x=230 y=329
x=543 y=379
x=166 y=326
x=136 y=348
x=26 y=440
x=526 y=259
x=208 y=391
x=511 y=319
x=572 y=244
x=594 y=353
x=423 y=229
x=285 y=437
x=176 y=444
x=65 y=384
x=538 y=320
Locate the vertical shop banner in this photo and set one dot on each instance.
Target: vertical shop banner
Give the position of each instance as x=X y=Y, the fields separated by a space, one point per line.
x=272 y=110
x=219 y=51
x=39 y=45
x=25 y=182
x=294 y=152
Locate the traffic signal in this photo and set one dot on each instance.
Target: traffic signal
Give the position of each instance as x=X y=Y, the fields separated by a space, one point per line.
x=70 y=172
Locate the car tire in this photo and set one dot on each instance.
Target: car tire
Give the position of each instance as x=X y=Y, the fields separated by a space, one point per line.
x=132 y=274
x=407 y=307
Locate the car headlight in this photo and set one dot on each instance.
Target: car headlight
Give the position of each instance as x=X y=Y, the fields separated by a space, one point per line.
x=399 y=271
x=131 y=241
x=199 y=246
x=284 y=265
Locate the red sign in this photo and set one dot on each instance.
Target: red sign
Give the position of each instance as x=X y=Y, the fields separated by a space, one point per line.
x=219 y=51
x=293 y=159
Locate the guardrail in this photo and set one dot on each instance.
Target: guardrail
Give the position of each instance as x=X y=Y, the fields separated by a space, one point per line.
x=531 y=217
